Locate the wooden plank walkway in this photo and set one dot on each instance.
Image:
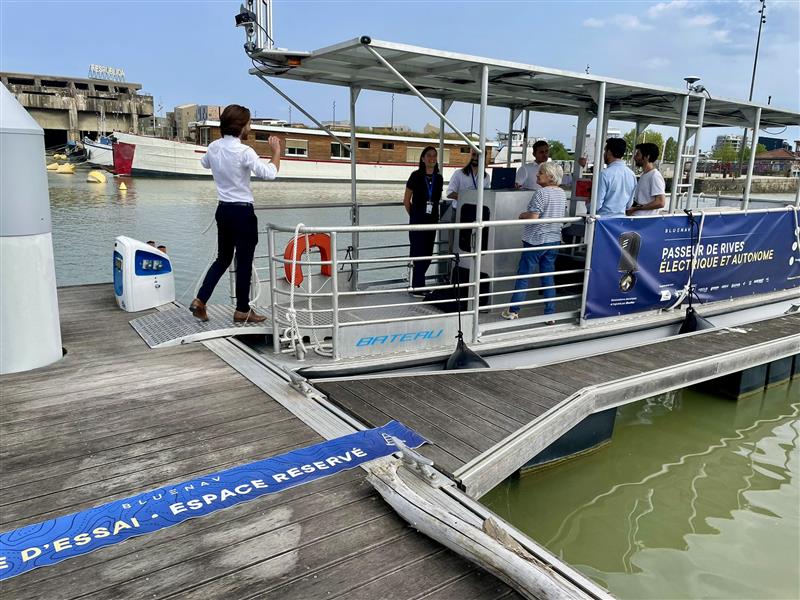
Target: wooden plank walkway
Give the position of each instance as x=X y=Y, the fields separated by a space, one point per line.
x=466 y=414
x=114 y=418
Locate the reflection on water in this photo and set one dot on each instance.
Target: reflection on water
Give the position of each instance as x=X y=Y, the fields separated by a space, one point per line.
x=87 y=217
x=696 y=497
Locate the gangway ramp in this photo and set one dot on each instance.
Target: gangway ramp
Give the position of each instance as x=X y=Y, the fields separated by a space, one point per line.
x=176 y=326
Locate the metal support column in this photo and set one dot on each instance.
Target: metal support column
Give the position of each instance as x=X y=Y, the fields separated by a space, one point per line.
x=677 y=175
x=509 y=141
x=273 y=294
x=751 y=163
x=478 y=231
x=354 y=216
x=599 y=144
x=590 y=222
x=637 y=131
x=526 y=119
x=580 y=145
x=441 y=136
x=698 y=128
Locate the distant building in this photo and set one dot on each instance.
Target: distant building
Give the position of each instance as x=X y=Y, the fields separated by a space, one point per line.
x=158 y=126
x=184 y=114
x=778 y=162
x=208 y=112
x=733 y=141
x=588 y=146
x=771 y=143
x=69 y=108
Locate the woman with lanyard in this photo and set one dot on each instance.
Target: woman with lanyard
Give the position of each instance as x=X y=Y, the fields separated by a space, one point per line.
x=231 y=163
x=423 y=193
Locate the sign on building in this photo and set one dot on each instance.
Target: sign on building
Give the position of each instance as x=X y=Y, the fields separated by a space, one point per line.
x=107 y=73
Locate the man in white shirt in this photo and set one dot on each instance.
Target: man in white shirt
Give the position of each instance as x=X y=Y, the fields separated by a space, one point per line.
x=526 y=174
x=466 y=179
x=650 y=192
x=232 y=163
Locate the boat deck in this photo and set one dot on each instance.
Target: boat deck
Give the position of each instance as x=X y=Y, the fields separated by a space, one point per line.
x=115 y=418
x=466 y=415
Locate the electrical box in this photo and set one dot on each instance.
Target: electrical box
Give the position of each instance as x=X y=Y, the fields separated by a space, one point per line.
x=143 y=276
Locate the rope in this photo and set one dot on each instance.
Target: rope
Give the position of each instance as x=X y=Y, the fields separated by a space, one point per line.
x=688 y=288
x=292 y=333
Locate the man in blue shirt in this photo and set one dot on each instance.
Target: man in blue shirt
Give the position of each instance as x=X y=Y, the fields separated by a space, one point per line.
x=617 y=182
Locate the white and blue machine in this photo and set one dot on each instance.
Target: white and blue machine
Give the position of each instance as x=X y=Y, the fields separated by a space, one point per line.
x=143 y=276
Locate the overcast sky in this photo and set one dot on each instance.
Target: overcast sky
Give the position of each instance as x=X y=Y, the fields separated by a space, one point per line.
x=192 y=52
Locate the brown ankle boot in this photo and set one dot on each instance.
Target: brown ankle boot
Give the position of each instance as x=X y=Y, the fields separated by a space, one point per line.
x=249 y=316
x=198 y=309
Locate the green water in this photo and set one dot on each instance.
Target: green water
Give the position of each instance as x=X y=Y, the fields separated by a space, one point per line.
x=695 y=497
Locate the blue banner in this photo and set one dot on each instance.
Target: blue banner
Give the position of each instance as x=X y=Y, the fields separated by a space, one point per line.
x=71 y=535
x=643 y=263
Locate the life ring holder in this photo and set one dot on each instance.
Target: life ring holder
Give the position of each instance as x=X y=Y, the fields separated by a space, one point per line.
x=297 y=246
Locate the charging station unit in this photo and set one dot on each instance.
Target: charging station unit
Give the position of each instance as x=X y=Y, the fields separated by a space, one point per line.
x=143 y=276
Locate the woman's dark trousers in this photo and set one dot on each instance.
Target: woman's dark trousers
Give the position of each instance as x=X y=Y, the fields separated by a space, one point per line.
x=237 y=229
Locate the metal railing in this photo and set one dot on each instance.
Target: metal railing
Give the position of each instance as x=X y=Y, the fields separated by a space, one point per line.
x=285 y=312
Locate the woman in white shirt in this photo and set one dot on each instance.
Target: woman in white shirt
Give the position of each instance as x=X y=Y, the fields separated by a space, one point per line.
x=231 y=163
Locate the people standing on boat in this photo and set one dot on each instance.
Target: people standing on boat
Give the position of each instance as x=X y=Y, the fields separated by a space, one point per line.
x=232 y=163
x=617 y=181
x=650 y=195
x=466 y=178
x=526 y=174
x=421 y=199
x=548 y=202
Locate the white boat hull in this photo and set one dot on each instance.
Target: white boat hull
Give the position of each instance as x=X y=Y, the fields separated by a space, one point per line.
x=100 y=155
x=138 y=155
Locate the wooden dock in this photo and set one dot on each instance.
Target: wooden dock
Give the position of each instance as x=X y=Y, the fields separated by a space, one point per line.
x=486 y=424
x=114 y=418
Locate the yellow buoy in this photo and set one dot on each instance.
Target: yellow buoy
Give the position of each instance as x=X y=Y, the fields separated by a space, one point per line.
x=60 y=156
x=122 y=187
x=52 y=166
x=66 y=169
x=95 y=177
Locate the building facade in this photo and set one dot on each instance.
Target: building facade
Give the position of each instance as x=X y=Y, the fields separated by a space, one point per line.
x=69 y=108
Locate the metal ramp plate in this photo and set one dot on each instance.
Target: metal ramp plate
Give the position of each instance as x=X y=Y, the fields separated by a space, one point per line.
x=178 y=326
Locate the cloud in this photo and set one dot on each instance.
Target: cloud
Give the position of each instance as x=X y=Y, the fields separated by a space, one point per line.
x=656 y=62
x=592 y=22
x=662 y=7
x=721 y=35
x=630 y=22
x=702 y=21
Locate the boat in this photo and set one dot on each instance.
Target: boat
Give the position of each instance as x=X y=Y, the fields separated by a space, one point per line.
x=309 y=154
x=619 y=282
x=99 y=152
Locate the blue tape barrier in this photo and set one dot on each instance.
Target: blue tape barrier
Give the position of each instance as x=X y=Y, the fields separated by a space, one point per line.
x=52 y=541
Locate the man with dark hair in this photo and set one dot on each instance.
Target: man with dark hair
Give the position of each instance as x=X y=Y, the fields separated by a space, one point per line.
x=617 y=181
x=650 y=190
x=526 y=174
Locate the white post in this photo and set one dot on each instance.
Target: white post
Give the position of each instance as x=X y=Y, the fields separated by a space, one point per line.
x=693 y=168
x=599 y=142
x=677 y=175
x=580 y=144
x=479 y=208
x=525 y=124
x=354 y=216
x=637 y=131
x=751 y=163
x=510 y=134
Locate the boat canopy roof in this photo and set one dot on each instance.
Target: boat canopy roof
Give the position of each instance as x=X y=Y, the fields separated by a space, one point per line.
x=454 y=76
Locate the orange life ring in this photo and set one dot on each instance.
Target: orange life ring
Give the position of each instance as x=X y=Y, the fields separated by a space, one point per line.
x=322 y=241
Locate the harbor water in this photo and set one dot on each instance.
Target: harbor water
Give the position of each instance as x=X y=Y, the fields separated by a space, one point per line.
x=695 y=496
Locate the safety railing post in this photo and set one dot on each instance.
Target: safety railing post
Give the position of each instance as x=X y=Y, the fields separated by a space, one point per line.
x=334 y=296
x=273 y=280
x=478 y=231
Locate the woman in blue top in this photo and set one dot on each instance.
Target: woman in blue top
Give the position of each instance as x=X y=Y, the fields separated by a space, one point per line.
x=422 y=196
